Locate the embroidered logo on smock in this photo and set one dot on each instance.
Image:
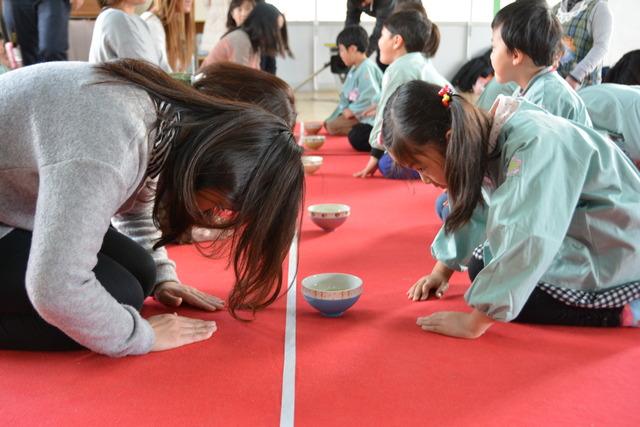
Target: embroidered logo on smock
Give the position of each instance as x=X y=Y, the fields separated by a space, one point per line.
x=514 y=166
x=353 y=95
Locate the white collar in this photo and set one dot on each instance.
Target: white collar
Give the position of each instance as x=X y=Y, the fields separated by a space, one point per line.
x=565 y=16
x=535 y=77
x=502 y=109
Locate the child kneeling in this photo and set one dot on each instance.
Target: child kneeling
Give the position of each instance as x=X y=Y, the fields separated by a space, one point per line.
x=360 y=91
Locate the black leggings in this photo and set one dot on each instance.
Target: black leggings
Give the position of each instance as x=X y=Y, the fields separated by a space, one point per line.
x=359 y=137
x=124 y=268
x=542 y=308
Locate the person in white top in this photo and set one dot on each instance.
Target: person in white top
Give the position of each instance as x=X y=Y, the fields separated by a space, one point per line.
x=120 y=33
x=172 y=26
x=214 y=25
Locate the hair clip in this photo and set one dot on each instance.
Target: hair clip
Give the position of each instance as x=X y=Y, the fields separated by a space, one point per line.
x=446 y=93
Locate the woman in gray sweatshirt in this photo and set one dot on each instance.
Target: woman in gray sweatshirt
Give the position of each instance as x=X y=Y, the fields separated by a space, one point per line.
x=100 y=166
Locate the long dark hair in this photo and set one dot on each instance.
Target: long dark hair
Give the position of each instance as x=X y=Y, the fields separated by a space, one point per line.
x=415 y=117
x=239 y=83
x=262 y=27
x=243 y=153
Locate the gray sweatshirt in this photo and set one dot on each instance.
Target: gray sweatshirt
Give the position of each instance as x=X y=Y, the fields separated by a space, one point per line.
x=118 y=35
x=73 y=156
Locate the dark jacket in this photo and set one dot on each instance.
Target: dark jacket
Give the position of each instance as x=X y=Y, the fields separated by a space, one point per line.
x=379 y=9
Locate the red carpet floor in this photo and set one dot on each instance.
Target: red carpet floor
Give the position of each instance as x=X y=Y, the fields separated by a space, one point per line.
x=373 y=366
x=234 y=378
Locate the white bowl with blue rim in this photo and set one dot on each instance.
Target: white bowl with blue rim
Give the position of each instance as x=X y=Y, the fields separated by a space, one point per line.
x=331 y=293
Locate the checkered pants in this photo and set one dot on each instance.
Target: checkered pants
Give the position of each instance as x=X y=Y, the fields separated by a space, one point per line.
x=607 y=298
x=477 y=252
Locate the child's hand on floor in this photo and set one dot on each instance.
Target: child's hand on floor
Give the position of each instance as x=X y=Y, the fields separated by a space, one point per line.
x=456 y=324
x=434 y=282
x=369 y=170
x=437 y=281
x=370 y=112
x=348 y=114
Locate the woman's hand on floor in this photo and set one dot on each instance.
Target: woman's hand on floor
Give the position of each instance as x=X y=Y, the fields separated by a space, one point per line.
x=456 y=324
x=174 y=331
x=173 y=294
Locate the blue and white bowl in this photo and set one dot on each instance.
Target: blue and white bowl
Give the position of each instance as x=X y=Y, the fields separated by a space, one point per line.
x=331 y=293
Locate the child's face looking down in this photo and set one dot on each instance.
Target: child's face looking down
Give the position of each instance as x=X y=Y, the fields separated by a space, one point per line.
x=429 y=163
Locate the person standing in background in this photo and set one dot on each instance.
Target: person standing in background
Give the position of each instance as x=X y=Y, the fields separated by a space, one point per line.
x=214 y=25
x=587 y=26
x=120 y=33
x=239 y=11
x=173 y=28
x=263 y=32
x=379 y=9
x=41 y=27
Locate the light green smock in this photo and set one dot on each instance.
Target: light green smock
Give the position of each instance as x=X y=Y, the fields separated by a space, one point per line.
x=361 y=90
x=615 y=109
x=412 y=66
x=565 y=210
x=491 y=92
x=551 y=92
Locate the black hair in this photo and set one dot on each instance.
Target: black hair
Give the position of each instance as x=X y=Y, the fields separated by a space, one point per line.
x=530 y=27
x=626 y=71
x=417 y=31
x=415 y=117
x=262 y=28
x=353 y=35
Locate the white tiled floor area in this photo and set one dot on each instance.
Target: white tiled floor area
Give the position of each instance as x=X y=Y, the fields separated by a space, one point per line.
x=316 y=105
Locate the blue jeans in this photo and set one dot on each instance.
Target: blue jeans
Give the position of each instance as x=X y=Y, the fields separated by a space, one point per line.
x=42 y=28
x=392 y=171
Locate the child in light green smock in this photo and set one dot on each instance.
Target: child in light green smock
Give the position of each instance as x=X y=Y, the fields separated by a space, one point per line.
x=360 y=91
x=526 y=37
x=557 y=203
x=406 y=36
x=615 y=109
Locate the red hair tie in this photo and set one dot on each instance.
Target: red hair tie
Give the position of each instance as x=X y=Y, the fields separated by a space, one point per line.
x=446 y=93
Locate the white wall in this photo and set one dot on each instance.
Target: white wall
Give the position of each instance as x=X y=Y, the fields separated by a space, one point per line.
x=626 y=34
x=453 y=50
x=451 y=54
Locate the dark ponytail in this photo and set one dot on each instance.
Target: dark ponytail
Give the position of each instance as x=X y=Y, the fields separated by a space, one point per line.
x=419 y=33
x=415 y=118
x=432 y=45
x=466 y=161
